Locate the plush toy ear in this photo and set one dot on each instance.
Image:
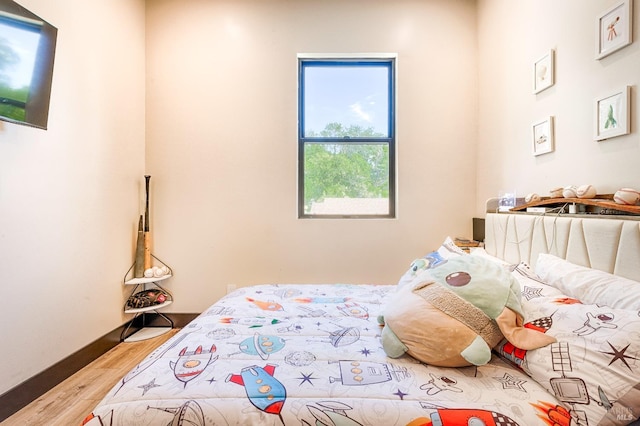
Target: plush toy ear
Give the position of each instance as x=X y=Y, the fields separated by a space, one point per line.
x=524 y=338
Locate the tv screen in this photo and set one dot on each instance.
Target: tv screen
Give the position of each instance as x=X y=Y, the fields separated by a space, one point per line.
x=27 y=49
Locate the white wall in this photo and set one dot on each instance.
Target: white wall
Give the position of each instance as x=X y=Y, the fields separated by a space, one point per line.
x=69 y=196
x=512 y=36
x=221 y=139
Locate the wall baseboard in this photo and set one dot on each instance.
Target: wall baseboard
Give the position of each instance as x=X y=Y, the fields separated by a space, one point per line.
x=28 y=391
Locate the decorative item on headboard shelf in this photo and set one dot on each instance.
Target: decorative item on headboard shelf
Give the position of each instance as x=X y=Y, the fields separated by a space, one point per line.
x=531 y=198
x=569 y=191
x=627 y=196
x=586 y=191
x=466 y=244
x=556 y=192
x=598 y=204
x=582 y=191
x=507 y=200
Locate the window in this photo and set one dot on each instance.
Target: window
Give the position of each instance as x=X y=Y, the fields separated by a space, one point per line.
x=346 y=137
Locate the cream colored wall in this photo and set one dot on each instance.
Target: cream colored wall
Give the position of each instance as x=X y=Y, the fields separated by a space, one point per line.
x=512 y=36
x=221 y=139
x=221 y=147
x=69 y=195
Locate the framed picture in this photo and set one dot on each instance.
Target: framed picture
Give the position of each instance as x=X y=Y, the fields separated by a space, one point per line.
x=543 y=72
x=543 y=136
x=613 y=28
x=612 y=115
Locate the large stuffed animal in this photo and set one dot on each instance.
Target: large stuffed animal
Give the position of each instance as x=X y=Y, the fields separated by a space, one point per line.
x=453 y=314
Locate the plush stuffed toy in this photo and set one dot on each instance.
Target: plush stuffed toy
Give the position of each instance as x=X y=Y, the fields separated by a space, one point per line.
x=454 y=313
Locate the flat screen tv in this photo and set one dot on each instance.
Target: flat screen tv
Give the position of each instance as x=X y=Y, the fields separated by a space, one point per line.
x=27 y=49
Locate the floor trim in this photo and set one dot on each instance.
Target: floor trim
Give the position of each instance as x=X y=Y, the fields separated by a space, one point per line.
x=28 y=391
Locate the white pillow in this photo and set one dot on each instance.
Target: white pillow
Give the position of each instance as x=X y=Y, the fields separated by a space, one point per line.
x=449 y=249
x=479 y=251
x=588 y=285
x=588 y=362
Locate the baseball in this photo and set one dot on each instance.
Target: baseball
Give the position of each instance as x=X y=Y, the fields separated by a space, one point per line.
x=626 y=196
x=556 y=193
x=532 y=198
x=586 y=191
x=569 y=191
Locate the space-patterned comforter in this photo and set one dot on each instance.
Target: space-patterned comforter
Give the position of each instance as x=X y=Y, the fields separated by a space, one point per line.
x=311 y=355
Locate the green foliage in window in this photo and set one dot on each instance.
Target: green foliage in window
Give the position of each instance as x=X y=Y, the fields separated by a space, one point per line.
x=354 y=170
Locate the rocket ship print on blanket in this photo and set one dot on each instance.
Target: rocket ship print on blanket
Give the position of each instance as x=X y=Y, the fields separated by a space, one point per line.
x=191 y=364
x=264 y=391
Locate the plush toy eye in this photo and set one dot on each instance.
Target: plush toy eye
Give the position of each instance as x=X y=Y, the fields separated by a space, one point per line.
x=419 y=264
x=458 y=279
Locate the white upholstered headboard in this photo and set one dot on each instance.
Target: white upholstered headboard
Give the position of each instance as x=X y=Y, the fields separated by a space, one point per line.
x=610 y=244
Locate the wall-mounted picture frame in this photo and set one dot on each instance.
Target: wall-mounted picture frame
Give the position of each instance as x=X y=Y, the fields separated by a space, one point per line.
x=614 y=28
x=543 y=72
x=543 y=140
x=612 y=114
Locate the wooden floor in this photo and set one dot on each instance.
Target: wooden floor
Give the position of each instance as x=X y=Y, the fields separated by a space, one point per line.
x=72 y=400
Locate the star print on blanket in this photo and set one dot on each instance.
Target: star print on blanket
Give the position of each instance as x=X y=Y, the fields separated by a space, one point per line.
x=310 y=355
x=594 y=368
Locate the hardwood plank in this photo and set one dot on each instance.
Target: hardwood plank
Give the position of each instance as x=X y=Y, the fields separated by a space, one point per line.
x=68 y=403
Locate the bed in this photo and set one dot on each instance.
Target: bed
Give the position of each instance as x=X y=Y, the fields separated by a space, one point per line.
x=296 y=354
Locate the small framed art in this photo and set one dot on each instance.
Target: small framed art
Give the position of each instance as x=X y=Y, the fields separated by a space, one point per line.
x=543 y=136
x=612 y=114
x=613 y=28
x=543 y=72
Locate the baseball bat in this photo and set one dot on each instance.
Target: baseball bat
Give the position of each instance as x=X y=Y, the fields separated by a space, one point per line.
x=147 y=234
x=138 y=270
